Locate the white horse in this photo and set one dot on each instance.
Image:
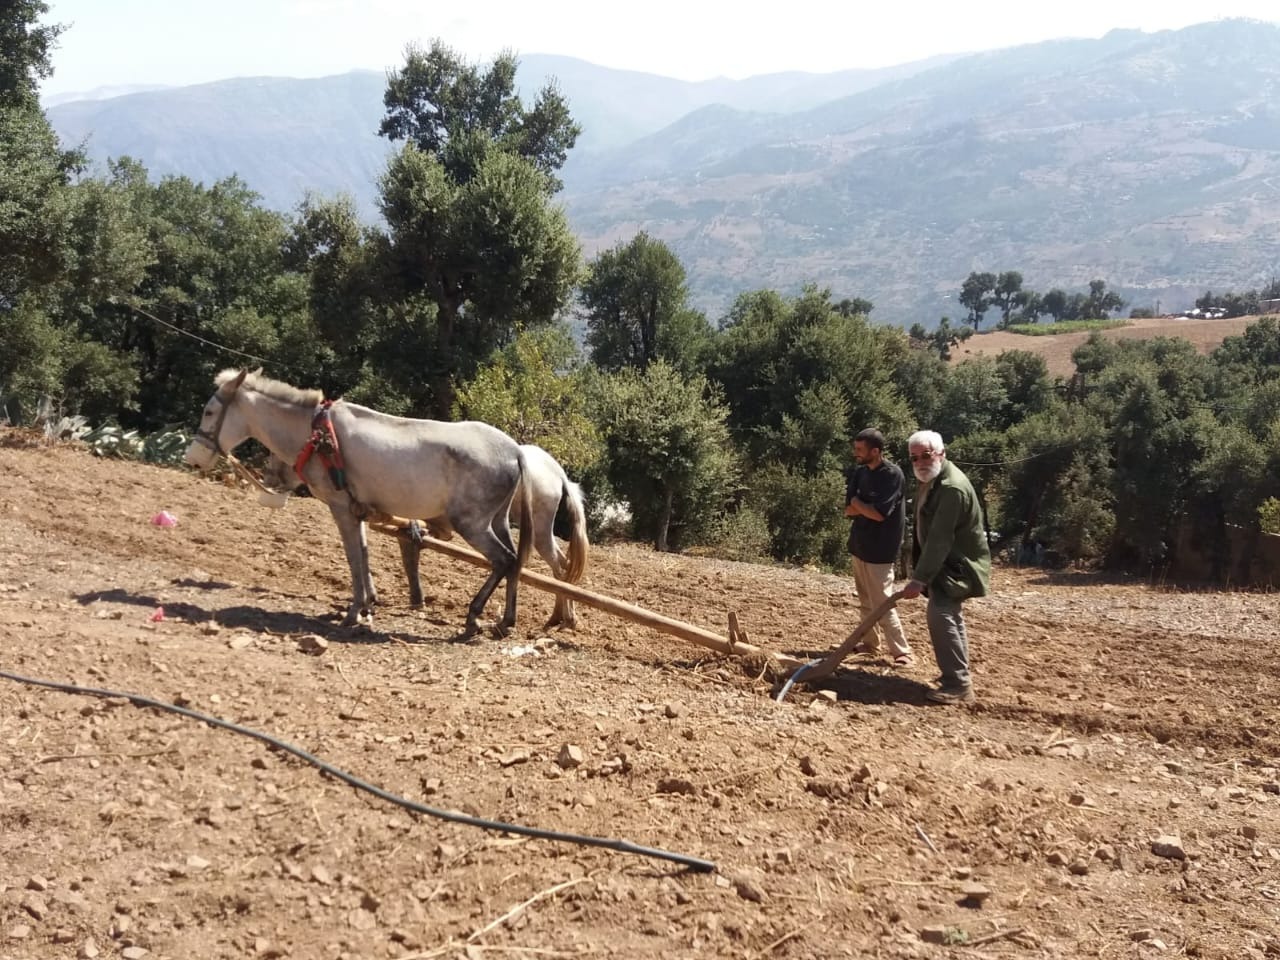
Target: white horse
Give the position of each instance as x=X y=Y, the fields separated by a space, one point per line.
x=468 y=473
x=550 y=488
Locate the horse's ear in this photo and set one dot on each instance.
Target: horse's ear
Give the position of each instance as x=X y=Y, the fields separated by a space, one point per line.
x=235 y=384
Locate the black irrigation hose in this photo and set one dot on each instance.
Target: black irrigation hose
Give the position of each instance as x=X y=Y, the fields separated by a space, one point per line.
x=622 y=846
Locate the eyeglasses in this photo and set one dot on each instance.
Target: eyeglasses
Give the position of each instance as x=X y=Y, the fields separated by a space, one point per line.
x=923 y=457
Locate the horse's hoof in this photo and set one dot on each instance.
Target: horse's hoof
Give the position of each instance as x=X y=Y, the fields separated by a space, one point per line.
x=358 y=618
x=468 y=634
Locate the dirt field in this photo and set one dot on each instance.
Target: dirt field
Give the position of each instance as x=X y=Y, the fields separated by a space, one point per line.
x=1111 y=714
x=1056 y=349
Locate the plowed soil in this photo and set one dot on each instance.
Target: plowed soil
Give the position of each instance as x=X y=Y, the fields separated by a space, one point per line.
x=843 y=822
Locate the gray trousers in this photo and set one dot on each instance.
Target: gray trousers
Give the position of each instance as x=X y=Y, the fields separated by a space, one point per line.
x=950 y=641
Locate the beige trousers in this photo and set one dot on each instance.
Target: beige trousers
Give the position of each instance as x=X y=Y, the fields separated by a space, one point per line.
x=874 y=582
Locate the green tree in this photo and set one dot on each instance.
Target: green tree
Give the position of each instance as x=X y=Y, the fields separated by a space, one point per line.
x=634 y=298
x=534 y=390
x=1242 y=304
x=35 y=172
x=668 y=452
x=35 y=204
x=1030 y=306
x=1231 y=484
x=1054 y=303
x=921 y=377
x=26 y=50
x=802 y=511
x=465 y=264
x=1153 y=450
x=1027 y=386
x=975 y=296
x=475 y=248
x=855 y=307
x=1007 y=295
x=1101 y=302
x=458 y=114
x=942 y=339
x=1056 y=488
x=801 y=378
x=974 y=399
x=63 y=247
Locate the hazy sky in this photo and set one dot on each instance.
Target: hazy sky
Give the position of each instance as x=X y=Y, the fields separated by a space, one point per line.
x=111 y=42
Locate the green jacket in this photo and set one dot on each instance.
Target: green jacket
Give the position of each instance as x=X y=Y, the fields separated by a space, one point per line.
x=950 y=551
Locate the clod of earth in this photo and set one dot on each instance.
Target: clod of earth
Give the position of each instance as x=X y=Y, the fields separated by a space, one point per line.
x=1169 y=846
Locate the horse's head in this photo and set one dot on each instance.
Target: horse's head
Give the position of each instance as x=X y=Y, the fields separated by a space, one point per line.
x=222 y=425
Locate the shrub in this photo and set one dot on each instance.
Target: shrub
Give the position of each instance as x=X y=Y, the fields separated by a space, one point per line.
x=742 y=535
x=805 y=513
x=1269 y=515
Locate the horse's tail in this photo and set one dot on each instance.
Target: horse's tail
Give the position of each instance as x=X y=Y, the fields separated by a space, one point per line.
x=578 y=544
x=526 y=514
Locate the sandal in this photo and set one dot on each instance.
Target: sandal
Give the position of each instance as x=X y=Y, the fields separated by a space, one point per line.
x=904 y=660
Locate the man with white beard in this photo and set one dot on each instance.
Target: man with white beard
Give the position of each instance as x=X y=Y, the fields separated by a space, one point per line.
x=951 y=560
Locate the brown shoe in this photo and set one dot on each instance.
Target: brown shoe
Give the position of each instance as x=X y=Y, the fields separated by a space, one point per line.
x=949 y=695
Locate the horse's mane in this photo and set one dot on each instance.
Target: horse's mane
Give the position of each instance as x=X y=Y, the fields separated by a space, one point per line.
x=275 y=389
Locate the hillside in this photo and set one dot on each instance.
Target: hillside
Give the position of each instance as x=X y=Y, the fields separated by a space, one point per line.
x=1149 y=160
x=1205 y=335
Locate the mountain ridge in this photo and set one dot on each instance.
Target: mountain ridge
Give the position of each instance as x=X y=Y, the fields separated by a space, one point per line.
x=1151 y=160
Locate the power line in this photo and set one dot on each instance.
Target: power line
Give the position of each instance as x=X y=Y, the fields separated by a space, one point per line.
x=1007 y=463
x=187 y=333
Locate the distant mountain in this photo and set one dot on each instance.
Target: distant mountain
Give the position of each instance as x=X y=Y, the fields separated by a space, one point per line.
x=286 y=136
x=100 y=93
x=283 y=137
x=1149 y=160
x=616 y=107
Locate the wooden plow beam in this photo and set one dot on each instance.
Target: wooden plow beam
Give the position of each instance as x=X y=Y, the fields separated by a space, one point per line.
x=735 y=643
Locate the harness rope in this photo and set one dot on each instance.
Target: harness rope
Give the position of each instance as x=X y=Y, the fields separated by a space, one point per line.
x=324 y=442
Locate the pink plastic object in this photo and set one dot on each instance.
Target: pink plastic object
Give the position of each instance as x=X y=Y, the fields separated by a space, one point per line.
x=157 y=616
x=165 y=519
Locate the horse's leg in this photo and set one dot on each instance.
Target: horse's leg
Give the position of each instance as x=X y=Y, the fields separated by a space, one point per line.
x=357 y=551
x=502 y=560
x=501 y=523
x=549 y=550
x=410 y=552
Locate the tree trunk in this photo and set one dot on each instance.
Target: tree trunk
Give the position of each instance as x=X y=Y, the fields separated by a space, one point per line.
x=649 y=334
x=442 y=395
x=664 y=522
